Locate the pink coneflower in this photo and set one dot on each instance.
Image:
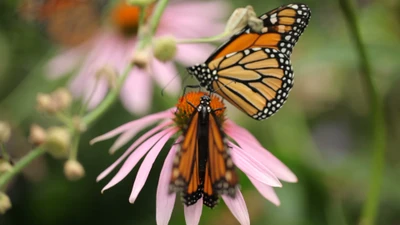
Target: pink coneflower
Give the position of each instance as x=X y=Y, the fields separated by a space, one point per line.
x=247 y=154
x=113 y=48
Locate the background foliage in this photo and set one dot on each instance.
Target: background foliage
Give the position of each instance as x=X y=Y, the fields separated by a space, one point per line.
x=322 y=133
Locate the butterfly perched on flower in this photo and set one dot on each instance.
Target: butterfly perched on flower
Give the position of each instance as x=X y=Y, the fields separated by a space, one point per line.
x=203 y=167
x=252 y=70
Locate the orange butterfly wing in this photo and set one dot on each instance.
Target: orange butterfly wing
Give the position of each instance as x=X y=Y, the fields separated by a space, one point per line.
x=185 y=173
x=282 y=28
x=203 y=166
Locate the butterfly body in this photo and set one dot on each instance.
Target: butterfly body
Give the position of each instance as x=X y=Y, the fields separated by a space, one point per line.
x=253 y=70
x=203 y=167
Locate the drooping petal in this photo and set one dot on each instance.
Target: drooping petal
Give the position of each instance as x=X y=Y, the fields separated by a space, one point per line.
x=135 y=157
x=252 y=167
x=266 y=191
x=238 y=207
x=65 y=62
x=164 y=200
x=103 y=47
x=133 y=147
x=166 y=76
x=142 y=122
x=203 y=19
x=137 y=92
x=129 y=134
x=215 y=9
x=193 y=212
x=96 y=91
x=190 y=54
x=147 y=164
x=254 y=149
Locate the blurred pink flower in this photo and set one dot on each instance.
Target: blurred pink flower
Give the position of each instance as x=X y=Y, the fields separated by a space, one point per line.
x=111 y=49
x=263 y=169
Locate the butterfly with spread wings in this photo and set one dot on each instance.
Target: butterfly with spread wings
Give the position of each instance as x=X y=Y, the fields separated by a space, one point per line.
x=203 y=167
x=253 y=70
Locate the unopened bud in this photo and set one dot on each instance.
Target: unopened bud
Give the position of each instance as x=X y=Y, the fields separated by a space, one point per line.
x=37 y=135
x=5 y=203
x=44 y=103
x=164 y=48
x=256 y=24
x=242 y=17
x=57 y=142
x=5 y=132
x=61 y=98
x=79 y=125
x=140 y=2
x=73 y=170
x=110 y=74
x=5 y=166
x=141 y=58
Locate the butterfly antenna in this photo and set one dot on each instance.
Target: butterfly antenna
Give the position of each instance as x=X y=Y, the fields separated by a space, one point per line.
x=169 y=82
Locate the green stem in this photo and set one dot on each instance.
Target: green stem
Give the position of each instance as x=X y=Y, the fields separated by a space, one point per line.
x=370 y=207
x=156 y=16
x=74 y=148
x=107 y=101
x=4 y=153
x=113 y=94
x=64 y=119
x=22 y=163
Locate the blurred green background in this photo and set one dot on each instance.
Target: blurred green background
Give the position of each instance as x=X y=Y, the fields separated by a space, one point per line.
x=322 y=133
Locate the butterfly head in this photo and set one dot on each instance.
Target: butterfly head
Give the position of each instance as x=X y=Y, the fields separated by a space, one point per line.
x=203 y=74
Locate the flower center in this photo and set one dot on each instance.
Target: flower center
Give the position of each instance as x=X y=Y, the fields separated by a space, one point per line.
x=126 y=17
x=188 y=104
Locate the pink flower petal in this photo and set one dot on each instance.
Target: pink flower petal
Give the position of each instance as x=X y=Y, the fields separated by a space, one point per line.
x=238 y=207
x=266 y=191
x=252 y=167
x=147 y=164
x=135 y=157
x=65 y=62
x=193 y=212
x=137 y=92
x=142 y=122
x=166 y=76
x=254 y=149
x=190 y=54
x=128 y=135
x=96 y=92
x=164 y=200
x=133 y=147
x=213 y=9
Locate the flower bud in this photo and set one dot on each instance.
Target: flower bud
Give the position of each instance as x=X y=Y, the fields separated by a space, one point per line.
x=5 y=203
x=164 y=48
x=141 y=58
x=140 y=2
x=73 y=170
x=61 y=99
x=57 y=142
x=79 y=125
x=242 y=17
x=110 y=74
x=5 y=132
x=44 y=103
x=37 y=135
x=256 y=24
x=5 y=166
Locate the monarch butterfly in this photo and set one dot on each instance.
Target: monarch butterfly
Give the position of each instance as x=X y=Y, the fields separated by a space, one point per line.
x=203 y=167
x=253 y=70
